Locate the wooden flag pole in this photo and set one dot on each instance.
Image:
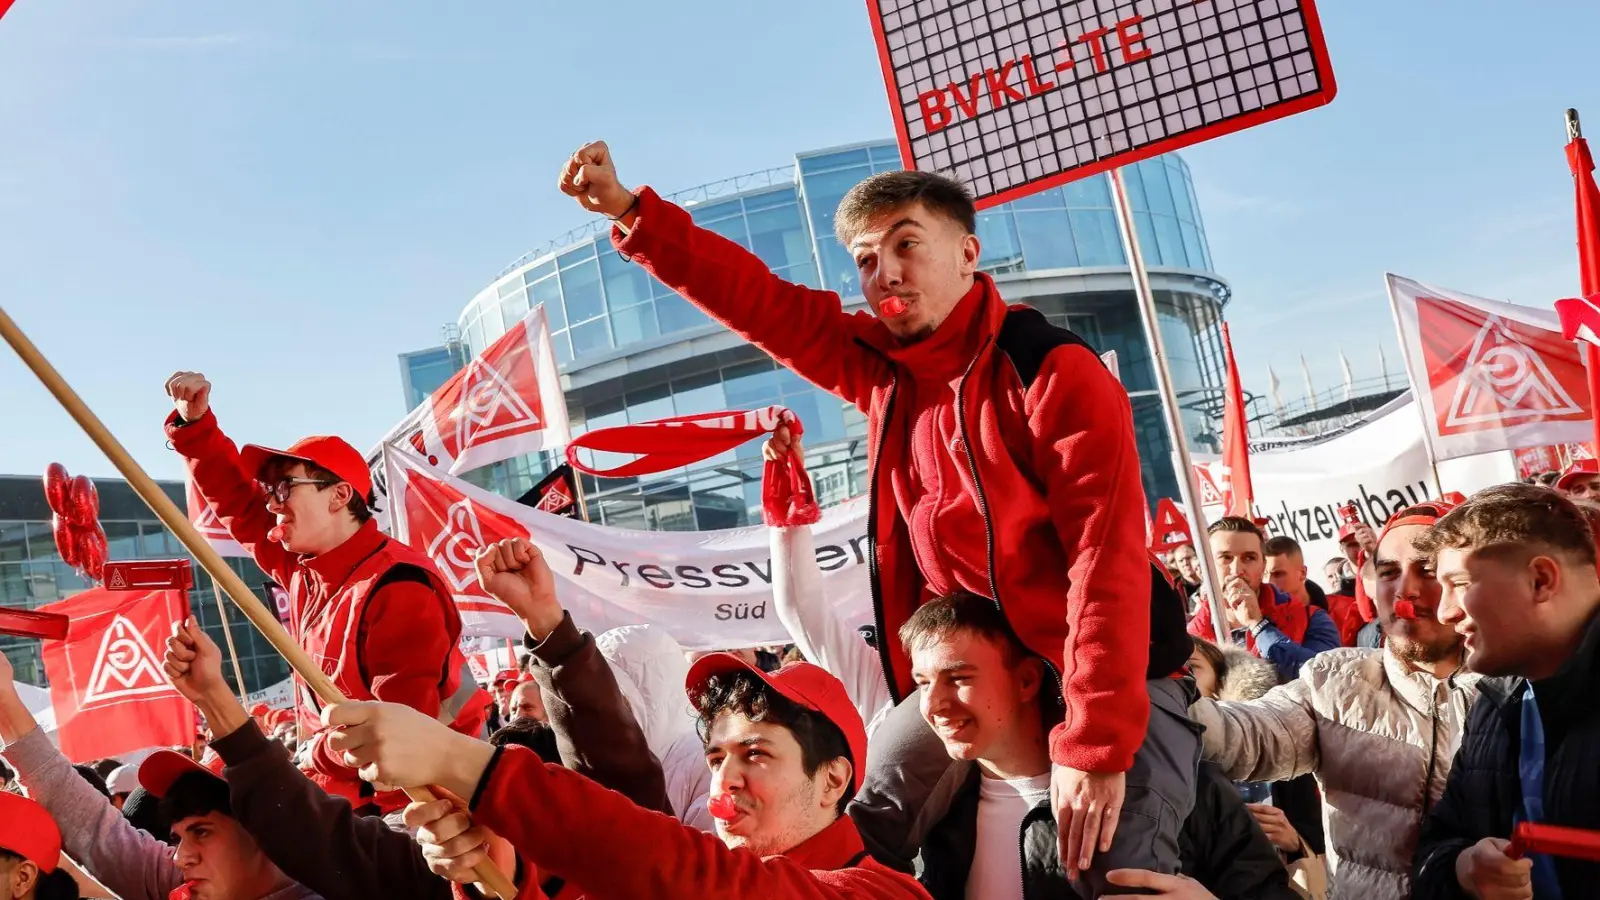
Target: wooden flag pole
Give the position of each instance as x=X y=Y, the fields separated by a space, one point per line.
x=238 y=671
x=178 y=523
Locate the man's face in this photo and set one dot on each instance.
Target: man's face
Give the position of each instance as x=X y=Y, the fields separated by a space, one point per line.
x=1404 y=574
x=972 y=695
x=527 y=702
x=918 y=259
x=1362 y=540
x=1187 y=562
x=1583 y=487
x=1491 y=602
x=778 y=807
x=1238 y=555
x=309 y=521
x=219 y=860
x=1333 y=575
x=1287 y=572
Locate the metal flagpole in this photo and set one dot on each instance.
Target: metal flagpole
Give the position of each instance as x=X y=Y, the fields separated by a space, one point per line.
x=1169 y=398
x=222 y=613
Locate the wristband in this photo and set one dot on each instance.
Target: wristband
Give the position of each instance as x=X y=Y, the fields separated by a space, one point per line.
x=631 y=207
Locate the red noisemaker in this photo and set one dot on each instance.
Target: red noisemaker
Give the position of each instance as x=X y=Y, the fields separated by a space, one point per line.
x=1554 y=840
x=1405 y=609
x=722 y=807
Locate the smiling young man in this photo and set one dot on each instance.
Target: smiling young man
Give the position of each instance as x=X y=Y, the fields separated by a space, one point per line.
x=373 y=612
x=1003 y=463
x=1376 y=727
x=783 y=749
x=1517 y=564
x=982 y=693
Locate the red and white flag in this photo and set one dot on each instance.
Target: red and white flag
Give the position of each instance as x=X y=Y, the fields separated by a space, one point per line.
x=106 y=683
x=507 y=402
x=1580 y=318
x=1236 y=437
x=205 y=521
x=1488 y=375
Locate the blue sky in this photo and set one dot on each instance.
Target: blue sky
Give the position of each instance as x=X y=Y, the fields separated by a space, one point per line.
x=286 y=195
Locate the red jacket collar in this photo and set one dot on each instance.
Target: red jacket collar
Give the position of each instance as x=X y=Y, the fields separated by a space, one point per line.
x=836 y=847
x=335 y=566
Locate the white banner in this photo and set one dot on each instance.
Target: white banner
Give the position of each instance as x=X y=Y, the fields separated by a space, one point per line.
x=1489 y=375
x=277 y=696
x=709 y=590
x=1380 y=465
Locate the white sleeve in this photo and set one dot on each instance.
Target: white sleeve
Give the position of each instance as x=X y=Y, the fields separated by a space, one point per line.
x=817 y=628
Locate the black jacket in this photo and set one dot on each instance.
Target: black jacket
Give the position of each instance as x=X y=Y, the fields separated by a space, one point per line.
x=1483 y=796
x=1220 y=844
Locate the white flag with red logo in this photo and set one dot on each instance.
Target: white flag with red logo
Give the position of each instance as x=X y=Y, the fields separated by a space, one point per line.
x=205 y=521
x=507 y=402
x=1488 y=375
x=708 y=589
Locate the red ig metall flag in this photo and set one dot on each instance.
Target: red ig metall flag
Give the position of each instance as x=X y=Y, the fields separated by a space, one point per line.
x=106 y=684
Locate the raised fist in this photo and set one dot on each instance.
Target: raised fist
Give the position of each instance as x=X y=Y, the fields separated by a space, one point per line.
x=591 y=178
x=514 y=572
x=191 y=395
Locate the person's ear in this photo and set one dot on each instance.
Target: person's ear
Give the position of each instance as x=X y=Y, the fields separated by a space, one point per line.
x=1546 y=575
x=971 y=250
x=835 y=776
x=1030 y=676
x=339 y=496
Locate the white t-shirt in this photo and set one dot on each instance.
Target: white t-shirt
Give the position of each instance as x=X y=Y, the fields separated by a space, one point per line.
x=997 y=865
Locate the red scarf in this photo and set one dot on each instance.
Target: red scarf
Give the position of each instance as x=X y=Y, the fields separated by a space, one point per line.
x=1289 y=615
x=786 y=495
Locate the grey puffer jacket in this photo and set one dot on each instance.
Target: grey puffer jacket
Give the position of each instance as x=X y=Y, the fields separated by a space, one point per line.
x=1378 y=735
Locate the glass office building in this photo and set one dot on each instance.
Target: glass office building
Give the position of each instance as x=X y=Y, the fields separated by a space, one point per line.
x=32 y=573
x=631 y=350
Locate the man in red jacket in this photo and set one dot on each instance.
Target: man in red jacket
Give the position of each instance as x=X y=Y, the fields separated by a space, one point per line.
x=784 y=750
x=1003 y=464
x=374 y=613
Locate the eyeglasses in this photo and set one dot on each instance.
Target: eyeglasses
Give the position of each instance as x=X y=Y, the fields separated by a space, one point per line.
x=280 y=491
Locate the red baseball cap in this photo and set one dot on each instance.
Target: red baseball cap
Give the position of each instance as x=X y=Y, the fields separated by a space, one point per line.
x=811 y=686
x=505 y=675
x=332 y=453
x=162 y=769
x=28 y=831
x=1578 y=469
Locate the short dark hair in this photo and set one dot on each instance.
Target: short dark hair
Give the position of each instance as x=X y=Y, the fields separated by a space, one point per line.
x=1282 y=546
x=951 y=614
x=1515 y=520
x=104 y=767
x=744 y=694
x=524 y=731
x=57 y=885
x=889 y=191
x=195 y=794
x=359 y=506
x=87 y=773
x=1238 y=525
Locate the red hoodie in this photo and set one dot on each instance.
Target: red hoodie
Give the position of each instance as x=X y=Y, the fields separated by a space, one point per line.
x=1003 y=462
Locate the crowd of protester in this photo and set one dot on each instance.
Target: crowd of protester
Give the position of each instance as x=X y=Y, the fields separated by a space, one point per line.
x=1041 y=709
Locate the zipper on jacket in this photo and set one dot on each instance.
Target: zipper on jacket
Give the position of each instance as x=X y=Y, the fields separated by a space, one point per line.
x=983 y=502
x=872 y=535
x=1433 y=754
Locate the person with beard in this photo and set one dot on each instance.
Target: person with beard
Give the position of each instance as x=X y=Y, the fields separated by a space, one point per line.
x=1518 y=566
x=1270 y=623
x=1186 y=563
x=1376 y=727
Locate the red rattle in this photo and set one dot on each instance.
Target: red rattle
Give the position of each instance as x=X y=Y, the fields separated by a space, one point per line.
x=722 y=807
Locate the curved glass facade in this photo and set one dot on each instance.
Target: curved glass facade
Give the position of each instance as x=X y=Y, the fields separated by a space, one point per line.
x=1053 y=250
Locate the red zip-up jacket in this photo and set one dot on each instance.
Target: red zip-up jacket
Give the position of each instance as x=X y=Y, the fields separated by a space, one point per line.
x=1026 y=445
x=406 y=638
x=606 y=848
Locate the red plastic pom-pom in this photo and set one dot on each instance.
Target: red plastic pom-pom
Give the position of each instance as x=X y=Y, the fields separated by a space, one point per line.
x=894 y=306
x=723 y=807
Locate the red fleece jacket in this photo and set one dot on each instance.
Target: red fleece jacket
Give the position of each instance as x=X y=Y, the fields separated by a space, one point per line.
x=610 y=849
x=1024 y=490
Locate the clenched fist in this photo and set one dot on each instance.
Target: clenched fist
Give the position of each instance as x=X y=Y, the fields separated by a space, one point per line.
x=191 y=395
x=514 y=572
x=591 y=177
